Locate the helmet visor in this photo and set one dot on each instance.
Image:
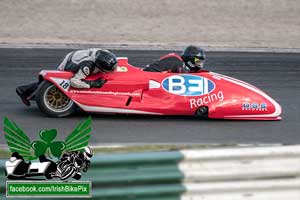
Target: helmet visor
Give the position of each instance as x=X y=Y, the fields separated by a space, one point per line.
x=198 y=62
x=113 y=68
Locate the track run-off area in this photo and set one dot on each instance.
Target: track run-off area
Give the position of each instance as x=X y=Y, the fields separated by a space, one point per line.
x=278 y=74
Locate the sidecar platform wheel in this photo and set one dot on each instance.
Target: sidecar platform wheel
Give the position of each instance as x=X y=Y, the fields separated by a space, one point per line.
x=202 y=112
x=53 y=102
x=48 y=176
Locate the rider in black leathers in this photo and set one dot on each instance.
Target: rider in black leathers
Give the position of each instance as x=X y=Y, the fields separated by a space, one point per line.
x=81 y=160
x=82 y=63
x=191 y=60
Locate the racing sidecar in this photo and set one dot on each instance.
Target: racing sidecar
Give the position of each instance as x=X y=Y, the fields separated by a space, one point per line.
x=17 y=168
x=133 y=91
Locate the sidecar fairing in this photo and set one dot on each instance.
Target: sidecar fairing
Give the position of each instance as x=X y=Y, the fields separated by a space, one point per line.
x=133 y=91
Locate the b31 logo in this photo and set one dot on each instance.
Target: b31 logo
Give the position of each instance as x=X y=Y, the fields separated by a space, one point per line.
x=188 y=85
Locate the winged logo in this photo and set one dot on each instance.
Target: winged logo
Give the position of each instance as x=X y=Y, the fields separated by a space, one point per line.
x=19 y=142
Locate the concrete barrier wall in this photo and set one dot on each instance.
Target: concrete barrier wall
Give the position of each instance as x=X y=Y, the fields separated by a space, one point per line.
x=214 y=23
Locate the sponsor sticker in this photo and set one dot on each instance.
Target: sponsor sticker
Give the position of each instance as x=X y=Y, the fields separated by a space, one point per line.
x=122 y=69
x=207 y=99
x=136 y=94
x=254 y=106
x=188 y=85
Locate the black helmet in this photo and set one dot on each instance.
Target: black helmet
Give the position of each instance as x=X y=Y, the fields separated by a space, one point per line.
x=88 y=152
x=193 y=58
x=105 y=60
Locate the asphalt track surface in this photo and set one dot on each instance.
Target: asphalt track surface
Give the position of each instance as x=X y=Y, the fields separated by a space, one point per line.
x=278 y=74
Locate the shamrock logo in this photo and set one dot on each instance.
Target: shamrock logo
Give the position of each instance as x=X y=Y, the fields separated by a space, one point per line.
x=19 y=142
x=47 y=146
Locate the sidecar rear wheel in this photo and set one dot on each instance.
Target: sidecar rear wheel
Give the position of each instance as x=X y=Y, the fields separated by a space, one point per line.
x=53 y=102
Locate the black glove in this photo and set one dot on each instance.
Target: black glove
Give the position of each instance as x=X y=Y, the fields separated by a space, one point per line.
x=97 y=83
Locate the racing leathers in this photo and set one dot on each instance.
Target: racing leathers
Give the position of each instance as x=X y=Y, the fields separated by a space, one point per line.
x=76 y=159
x=82 y=63
x=171 y=62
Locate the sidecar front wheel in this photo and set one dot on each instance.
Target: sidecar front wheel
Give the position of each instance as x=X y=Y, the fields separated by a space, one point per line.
x=53 y=102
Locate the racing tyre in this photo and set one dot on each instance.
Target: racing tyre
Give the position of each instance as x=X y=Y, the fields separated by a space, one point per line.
x=202 y=112
x=53 y=102
x=68 y=172
x=48 y=176
x=77 y=176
